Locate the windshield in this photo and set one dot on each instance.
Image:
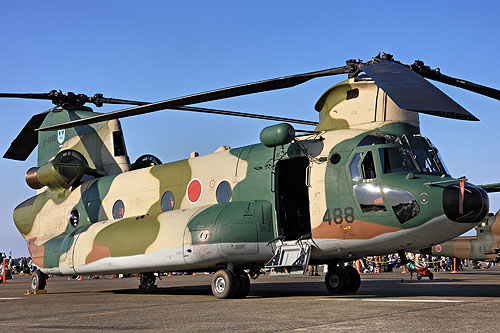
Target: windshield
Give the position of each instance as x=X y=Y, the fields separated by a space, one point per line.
x=396 y=159
x=414 y=153
x=427 y=156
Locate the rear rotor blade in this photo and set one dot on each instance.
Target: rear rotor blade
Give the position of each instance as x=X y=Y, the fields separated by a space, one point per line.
x=71 y=99
x=26 y=140
x=233 y=91
x=26 y=95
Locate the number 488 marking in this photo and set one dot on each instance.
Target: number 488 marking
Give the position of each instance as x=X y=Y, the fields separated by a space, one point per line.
x=337 y=217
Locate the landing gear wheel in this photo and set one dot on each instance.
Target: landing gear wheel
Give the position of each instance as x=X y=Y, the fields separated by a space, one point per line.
x=419 y=276
x=223 y=284
x=243 y=284
x=354 y=279
x=38 y=281
x=147 y=281
x=336 y=280
x=431 y=276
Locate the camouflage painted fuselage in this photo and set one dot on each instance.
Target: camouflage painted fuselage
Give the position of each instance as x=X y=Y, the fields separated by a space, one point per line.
x=196 y=227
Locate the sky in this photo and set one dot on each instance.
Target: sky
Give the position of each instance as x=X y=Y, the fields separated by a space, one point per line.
x=155 y=50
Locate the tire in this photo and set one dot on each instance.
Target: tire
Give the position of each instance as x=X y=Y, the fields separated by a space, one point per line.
x=223 y=284
x=243 y=285
x=38 y=281
x=147 y=281
x=336 y=280
x=419 y=276
x=431 y=276
x=353 y=278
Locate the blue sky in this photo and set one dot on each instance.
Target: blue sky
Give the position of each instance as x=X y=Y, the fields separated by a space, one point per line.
x=156 y=50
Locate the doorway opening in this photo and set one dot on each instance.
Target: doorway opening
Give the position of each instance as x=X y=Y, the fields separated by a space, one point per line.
x=292 y=199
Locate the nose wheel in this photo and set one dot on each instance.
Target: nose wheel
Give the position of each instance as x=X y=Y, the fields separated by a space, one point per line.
x=341 y=280
x=38 y=281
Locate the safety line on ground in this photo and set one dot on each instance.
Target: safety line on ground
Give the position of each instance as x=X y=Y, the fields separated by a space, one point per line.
x=9 y=298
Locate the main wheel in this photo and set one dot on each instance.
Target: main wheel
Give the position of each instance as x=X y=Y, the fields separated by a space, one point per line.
x=354 y=279
x=38 y=281
x=223 y=284
x=419 y=276
x=336 y=280
x=243 y=284
x=147 y=281
x=431 y=276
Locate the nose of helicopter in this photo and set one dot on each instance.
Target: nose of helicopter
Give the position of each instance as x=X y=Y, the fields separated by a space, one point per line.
x=474 y=203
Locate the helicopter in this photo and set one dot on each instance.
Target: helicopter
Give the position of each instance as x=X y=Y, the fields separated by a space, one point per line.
x=485 y=246
x=365 y=181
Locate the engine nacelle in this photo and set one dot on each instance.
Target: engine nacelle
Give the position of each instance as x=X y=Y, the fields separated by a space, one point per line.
x=67 y=167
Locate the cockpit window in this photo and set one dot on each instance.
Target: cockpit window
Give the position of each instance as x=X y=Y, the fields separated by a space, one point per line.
x=368 y=166
x=379 y=139
x=396 y=159
x=354 y=167
x=428 y=157
x=403 y=204
x=414 y=154
x=369 y=198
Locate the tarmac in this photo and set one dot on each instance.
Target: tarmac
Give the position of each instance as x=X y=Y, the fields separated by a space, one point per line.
x=390 y=302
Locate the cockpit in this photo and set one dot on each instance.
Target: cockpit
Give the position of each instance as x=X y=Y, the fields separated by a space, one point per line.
x=379 y=155
x=406 y=154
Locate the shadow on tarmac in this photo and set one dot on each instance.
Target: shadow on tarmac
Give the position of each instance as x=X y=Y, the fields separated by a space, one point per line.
x=369 y=288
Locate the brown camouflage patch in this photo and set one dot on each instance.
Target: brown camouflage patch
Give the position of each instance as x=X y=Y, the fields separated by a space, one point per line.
x=36 y=252
x=98 y=252
x=356 y=230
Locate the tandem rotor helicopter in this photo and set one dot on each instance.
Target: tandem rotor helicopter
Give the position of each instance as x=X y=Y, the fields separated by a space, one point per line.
x=365 y=181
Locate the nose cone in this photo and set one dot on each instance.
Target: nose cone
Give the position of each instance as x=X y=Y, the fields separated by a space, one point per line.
x=475 y=203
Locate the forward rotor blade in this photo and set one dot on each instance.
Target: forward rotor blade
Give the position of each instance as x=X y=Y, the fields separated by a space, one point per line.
x=491 y=188
x=233 y=91
x=436 y=75
x=244 y=114
x=410 y=91
x=26 y=140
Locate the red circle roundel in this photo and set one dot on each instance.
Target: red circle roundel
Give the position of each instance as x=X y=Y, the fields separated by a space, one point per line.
x=438 y=248
x=193 y=191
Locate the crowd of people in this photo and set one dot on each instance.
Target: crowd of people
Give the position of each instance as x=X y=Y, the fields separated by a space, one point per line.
x=22 y=265
x=387 y=263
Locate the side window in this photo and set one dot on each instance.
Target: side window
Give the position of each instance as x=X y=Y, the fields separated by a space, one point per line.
x=368 y=166
x=369 y=198
x=354 y=167
x=74 y=217
x=118 y=144
x=167 y=201
x=223 y=193
x=118 y=209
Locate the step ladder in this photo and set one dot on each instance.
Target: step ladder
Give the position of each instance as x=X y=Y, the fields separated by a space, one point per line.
x=290 y=258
